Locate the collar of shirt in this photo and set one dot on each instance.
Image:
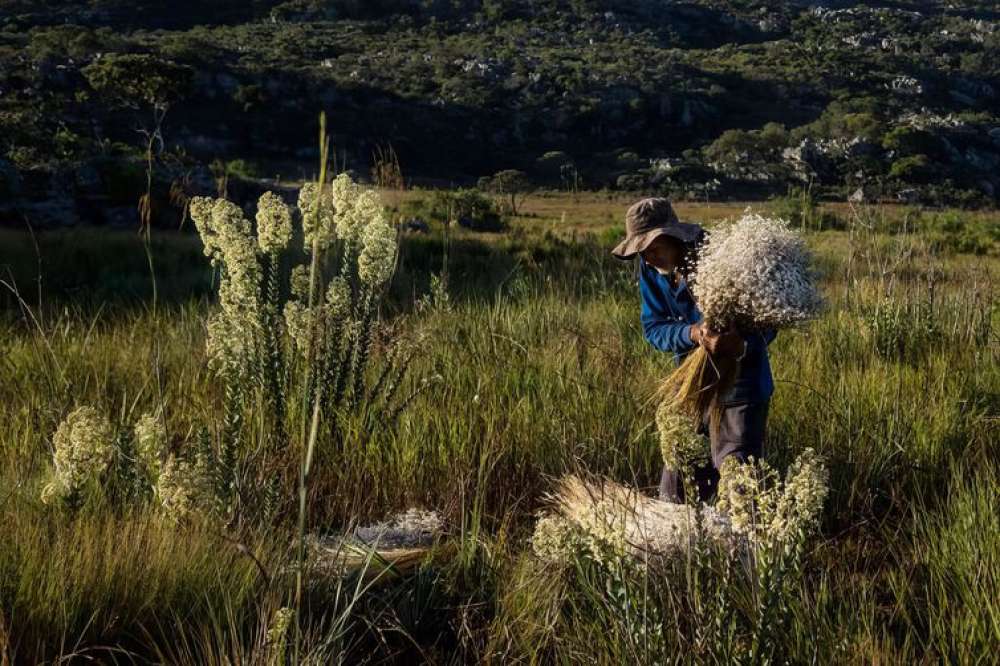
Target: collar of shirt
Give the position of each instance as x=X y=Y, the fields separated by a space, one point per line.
x=681 y=282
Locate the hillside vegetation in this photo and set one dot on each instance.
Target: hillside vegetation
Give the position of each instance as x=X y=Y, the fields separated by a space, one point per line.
x=698 y=99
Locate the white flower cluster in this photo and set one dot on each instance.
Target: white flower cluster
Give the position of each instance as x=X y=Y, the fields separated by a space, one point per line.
x=307 y=325
x=182 y=489
x=754 y=274
x=773 y=514
x=274 y=223
x=150 y=442
x=277 y=630
x=378 y=253
x=84 y=448
x=347 y=211
x=413 y=528
x=317 y=216
x=608 y=520
x=682 y=447
x=226 y=234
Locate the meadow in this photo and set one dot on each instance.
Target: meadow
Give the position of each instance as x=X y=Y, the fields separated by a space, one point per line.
x=526 y=362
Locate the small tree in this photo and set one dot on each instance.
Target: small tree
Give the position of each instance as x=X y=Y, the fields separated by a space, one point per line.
x=509 y=183
x=138 y=81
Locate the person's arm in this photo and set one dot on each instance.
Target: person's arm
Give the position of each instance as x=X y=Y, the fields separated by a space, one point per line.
x=661 y=329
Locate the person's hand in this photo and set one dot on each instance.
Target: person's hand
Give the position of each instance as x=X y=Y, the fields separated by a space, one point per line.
x=727 y=343
x=697 y=332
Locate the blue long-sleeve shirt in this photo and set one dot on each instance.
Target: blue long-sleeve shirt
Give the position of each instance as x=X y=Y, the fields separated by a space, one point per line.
x=667 y=314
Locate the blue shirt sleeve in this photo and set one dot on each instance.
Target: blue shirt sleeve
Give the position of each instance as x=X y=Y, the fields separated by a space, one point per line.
x=661 y=328
x=769 y=335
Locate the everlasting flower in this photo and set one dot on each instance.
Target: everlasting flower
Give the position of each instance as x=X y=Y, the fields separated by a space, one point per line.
x=317 y=216
x=682 y=447
x=300 y=283
x=338 y=299
x=556 y=539
x=278 y=629
x=274 y=223
x=378 y=252
x=353 y=205
x=182 y=489
x=413 y=528
x=84 y=448
x=298 y=323
x=226 y=235
x=150 y=441
x=771 y=513
x=754 y=274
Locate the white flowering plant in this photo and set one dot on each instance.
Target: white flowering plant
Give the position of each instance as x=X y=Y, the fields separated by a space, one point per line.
x=775 y=519
x=683 y=448
x=294 y=330
x=83 y=450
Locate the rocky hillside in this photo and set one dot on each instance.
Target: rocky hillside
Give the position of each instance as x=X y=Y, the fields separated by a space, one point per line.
x=696 y=98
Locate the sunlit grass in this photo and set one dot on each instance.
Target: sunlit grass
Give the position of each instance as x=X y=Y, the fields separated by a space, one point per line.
x=543 y=371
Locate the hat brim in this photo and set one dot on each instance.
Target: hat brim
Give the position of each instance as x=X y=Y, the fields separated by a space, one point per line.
x=682 y=231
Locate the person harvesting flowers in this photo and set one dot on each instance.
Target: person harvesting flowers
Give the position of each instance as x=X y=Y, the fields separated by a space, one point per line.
x=672 y=322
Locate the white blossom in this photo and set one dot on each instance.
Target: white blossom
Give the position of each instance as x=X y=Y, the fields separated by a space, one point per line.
x=682 y=447
x=274 y=223
x=378 y=251
x=182 y=489
x=150 y=441
x=317 y=216
x=754 y=274
x=84 y=448
x=338 y=298
x=226 y=234
x=771 y=513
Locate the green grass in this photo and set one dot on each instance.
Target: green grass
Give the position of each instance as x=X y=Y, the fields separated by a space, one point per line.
x=543 y=370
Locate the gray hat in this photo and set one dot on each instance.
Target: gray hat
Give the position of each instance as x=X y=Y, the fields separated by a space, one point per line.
x=650 y=218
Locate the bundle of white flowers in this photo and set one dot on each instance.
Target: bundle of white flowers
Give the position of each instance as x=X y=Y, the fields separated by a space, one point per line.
x=84 y=448
x=752 y=275
x=756 y=513
x=609 y=520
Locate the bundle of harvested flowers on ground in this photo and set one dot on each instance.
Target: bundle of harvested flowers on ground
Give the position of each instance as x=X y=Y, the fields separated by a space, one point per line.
x=758 y=513
x=752 y=274
x=606 y=520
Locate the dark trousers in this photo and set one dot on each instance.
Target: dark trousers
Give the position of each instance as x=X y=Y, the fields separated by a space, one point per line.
x=740 y=434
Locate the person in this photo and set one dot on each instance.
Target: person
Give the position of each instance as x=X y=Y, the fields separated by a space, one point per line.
x=671 y=322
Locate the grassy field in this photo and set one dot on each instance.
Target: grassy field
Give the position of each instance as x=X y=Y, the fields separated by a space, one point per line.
x=534 y=366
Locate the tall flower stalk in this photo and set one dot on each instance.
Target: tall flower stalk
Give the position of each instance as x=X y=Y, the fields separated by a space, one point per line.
x=292 y=339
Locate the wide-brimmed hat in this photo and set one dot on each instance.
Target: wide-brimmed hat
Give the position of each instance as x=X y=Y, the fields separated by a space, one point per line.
x=650 y=218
